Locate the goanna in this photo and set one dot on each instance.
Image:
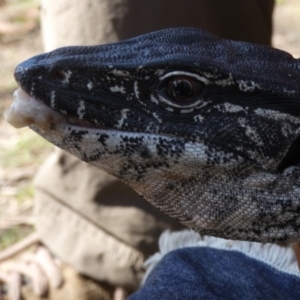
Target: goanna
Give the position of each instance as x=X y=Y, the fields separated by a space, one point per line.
x=205 y=129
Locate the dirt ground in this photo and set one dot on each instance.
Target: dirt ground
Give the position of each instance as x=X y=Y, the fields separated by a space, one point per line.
x=22 y=151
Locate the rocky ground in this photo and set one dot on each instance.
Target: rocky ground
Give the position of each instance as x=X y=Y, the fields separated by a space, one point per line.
x=22 y=151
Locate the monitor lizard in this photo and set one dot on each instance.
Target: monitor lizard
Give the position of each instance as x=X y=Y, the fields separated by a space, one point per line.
x=206 y=129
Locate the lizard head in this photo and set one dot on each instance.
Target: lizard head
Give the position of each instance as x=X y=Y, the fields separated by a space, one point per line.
x=206 y=129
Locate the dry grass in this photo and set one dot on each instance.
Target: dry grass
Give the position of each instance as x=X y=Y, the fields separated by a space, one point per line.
x=21 y=151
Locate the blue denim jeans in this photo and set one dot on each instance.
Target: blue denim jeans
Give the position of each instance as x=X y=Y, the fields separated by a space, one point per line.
x=208 y=273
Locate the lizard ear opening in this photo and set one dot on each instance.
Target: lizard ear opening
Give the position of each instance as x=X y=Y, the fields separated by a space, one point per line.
x=292 y=158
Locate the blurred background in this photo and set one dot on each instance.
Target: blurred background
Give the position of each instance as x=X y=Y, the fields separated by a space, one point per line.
x=22 y=151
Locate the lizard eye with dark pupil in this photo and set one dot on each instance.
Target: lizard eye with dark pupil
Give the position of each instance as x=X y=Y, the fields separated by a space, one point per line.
x=182 y=89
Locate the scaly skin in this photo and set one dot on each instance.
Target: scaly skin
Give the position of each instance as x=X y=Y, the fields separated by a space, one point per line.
x=205 y=129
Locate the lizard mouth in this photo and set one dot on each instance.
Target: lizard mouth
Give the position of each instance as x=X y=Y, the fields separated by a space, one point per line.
x=26 y=111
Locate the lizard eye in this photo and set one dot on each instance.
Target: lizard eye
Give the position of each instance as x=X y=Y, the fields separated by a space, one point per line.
x=183 y=89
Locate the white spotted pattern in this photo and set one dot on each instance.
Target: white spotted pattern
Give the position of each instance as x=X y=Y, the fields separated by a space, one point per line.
x=90 y=85
x=136 y=90
x=123 y=117
x=81 y=110
x=52 y=99
x=118 y=89
x=248 y=86
x=68 y=76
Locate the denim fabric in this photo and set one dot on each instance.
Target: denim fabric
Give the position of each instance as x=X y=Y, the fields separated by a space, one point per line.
x=207 y=273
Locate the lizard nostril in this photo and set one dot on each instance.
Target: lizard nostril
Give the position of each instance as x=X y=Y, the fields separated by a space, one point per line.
x=59 y=75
